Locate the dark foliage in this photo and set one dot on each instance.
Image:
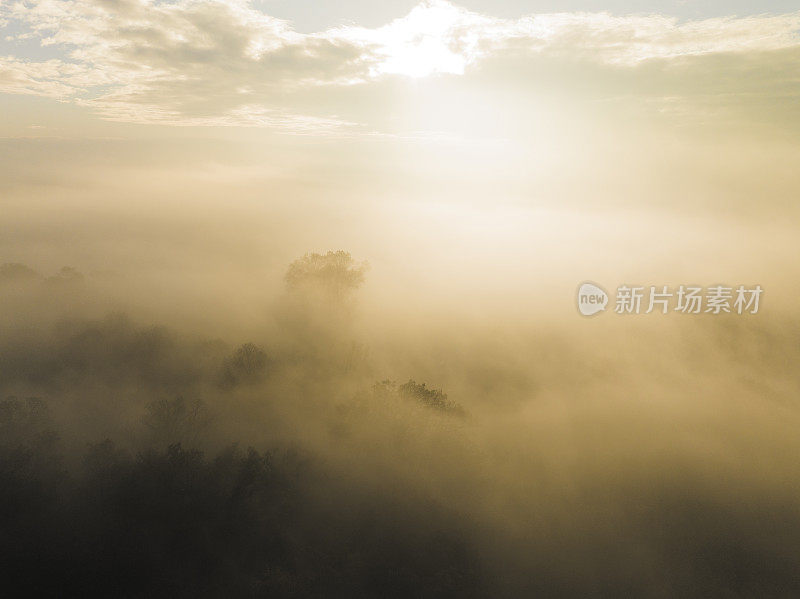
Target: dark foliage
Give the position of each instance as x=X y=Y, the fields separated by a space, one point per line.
x=247 y=365
x=420 y=393
x=174 y=522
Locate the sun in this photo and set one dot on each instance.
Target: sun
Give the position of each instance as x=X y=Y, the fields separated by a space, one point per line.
x=425 y=42
x=423 y=57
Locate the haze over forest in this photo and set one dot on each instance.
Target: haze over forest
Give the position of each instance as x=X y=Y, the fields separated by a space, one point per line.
x=287 y=299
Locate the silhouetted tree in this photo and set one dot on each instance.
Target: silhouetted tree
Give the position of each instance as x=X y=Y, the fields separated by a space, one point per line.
x=175 y=420
x=334 y=274
x=66 y=275
x=14 y=272
x=248 y=364
x=420 y=393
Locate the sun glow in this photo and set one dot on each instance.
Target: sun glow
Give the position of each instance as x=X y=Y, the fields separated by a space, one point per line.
x=431 y=39
x=422 y=58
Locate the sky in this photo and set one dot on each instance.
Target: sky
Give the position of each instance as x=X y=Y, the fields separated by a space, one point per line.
x=309 y=15
x=231 y=134
x=287 y=67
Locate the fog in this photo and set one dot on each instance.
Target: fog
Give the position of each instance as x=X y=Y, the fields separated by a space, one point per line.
x=277 y=368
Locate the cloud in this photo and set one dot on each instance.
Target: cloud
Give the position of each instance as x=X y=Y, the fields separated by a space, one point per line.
x=224 y=62
x=181 y=63
x=43 y=79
